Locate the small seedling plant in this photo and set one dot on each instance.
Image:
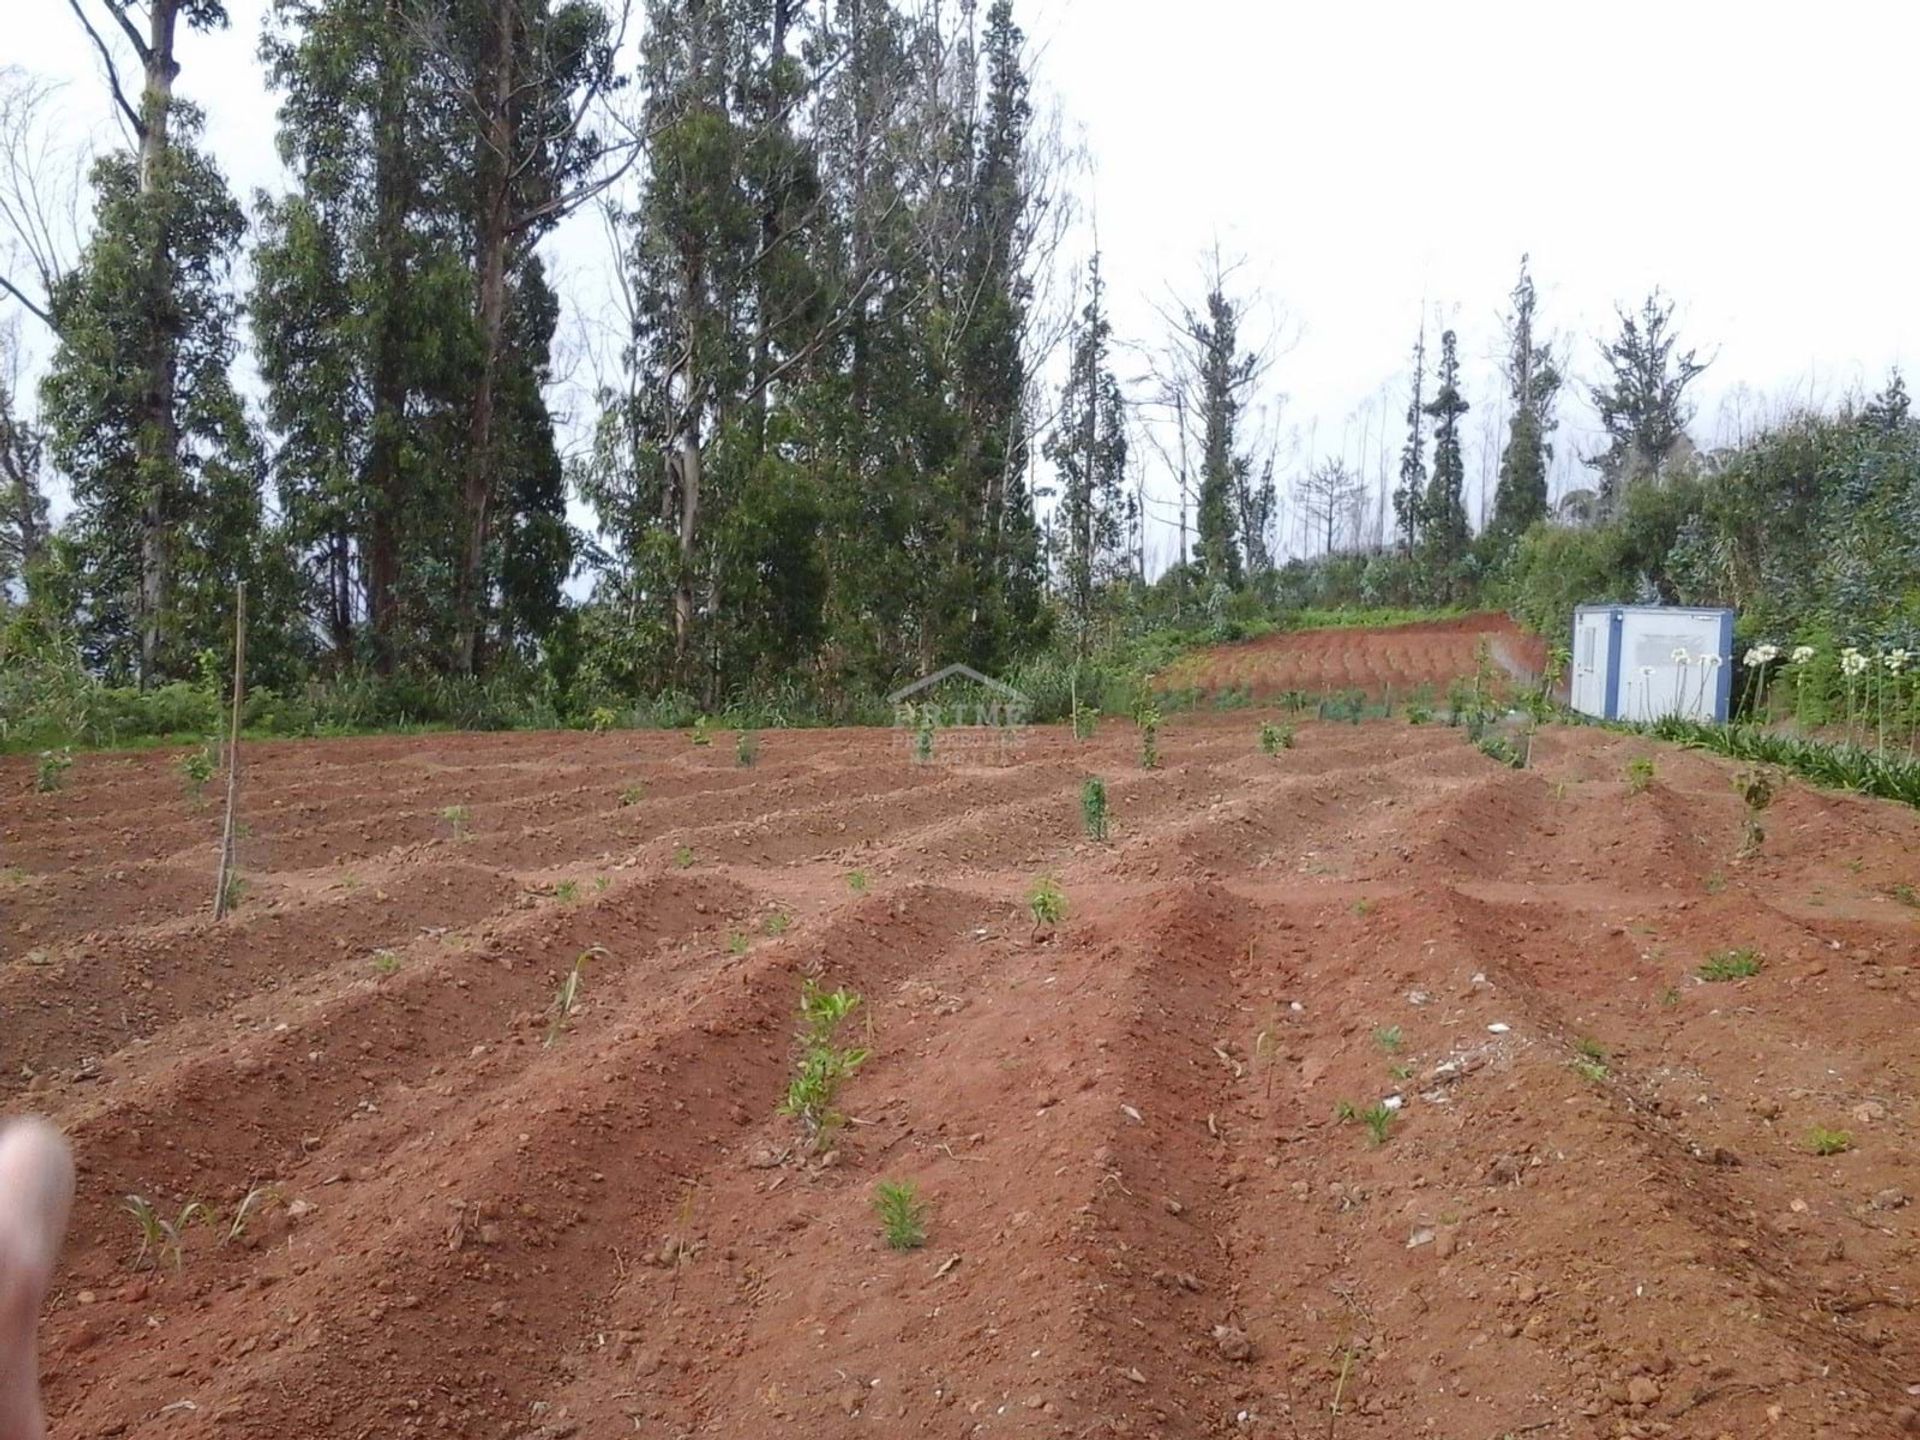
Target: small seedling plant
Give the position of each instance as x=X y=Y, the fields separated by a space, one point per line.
x=1389 y=1038
x=162 y=1239
x=1086 y=719
x=925 y=722
x=903 y=1215
x=1740 y=964
x=630 y=796
x=1047 y=903
x=682 y=857
x=702 y=731
x=233 y=890
x=857 y=881
x=746 y=748
x=566 y=1000
x=824 y=1064
x=1093 y=808
x=50 y=771
x=457 y=817
x=1150 y=738
x=1377 y=1118
x=1275 y=738
x=1756 y=788
x=1639 y=774
x=196 y=769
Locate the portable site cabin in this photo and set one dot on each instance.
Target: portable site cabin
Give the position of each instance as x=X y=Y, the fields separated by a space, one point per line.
x=1646 y=662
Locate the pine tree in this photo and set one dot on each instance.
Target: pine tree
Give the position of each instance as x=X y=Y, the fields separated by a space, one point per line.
x=137 y=394
x=141 y=411
x=1088 y=449
x=1220 y=376
x=1410 y=496
x=1643 y=407
x=1533 y=381
x=1445 y=532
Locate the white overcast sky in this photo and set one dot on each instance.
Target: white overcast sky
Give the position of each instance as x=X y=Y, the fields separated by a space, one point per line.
x=1755 y=160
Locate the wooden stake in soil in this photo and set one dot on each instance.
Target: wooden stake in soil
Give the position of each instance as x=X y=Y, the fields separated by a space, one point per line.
x=225 y=877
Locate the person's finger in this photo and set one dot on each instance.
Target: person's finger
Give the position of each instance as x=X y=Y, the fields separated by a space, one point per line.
x=36 y=1188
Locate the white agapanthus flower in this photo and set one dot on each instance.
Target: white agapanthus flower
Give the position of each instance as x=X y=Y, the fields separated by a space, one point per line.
x=1680 y=656
x=1803 y=653
x=1852 y=662
x=1762 y=655
x=1896 y=661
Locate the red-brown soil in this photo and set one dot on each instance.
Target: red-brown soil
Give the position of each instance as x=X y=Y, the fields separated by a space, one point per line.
x=1395 y=660
x=1146 y=1218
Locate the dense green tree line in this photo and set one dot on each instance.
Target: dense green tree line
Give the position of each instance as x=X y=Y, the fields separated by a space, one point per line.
x=820 y=459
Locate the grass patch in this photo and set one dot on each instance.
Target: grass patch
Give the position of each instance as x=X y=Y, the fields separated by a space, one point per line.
x=1731 y=965
x=1821 y=1141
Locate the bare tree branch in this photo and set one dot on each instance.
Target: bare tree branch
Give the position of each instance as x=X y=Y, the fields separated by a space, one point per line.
x=127 y=108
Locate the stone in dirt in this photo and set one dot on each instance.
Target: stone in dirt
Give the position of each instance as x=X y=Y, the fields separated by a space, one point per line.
x=1232 y=1343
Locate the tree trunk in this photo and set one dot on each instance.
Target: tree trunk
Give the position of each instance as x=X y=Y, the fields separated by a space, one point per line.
x=157 y=446
x=688 y=466
x=496 y=157
x=383 y=484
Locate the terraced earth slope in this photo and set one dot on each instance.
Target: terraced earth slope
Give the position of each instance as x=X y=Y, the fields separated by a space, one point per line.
x=1396 y=660
x=1596 y=1211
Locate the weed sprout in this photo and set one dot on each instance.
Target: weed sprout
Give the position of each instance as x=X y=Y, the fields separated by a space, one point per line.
x=903 y=1215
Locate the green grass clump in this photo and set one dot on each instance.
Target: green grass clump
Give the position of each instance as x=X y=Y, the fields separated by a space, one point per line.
x=385 y=963
x=746 y=748
x=775 y=924
x=1389 y=1038
x=1379 y=1120
x=630 y=796
x=903 y=1215
x=682 y=857
x=1731 y=965
x=1639 y=774
x=857 y=881
x=457 y=817
x=1093 y=807
x=1822 y=1141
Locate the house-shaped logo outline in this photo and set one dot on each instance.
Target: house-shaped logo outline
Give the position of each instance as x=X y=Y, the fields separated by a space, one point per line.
x=927 y=682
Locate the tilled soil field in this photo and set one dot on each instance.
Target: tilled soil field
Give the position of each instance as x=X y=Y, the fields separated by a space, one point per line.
x=1596 y=1211
x=1394 y=660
